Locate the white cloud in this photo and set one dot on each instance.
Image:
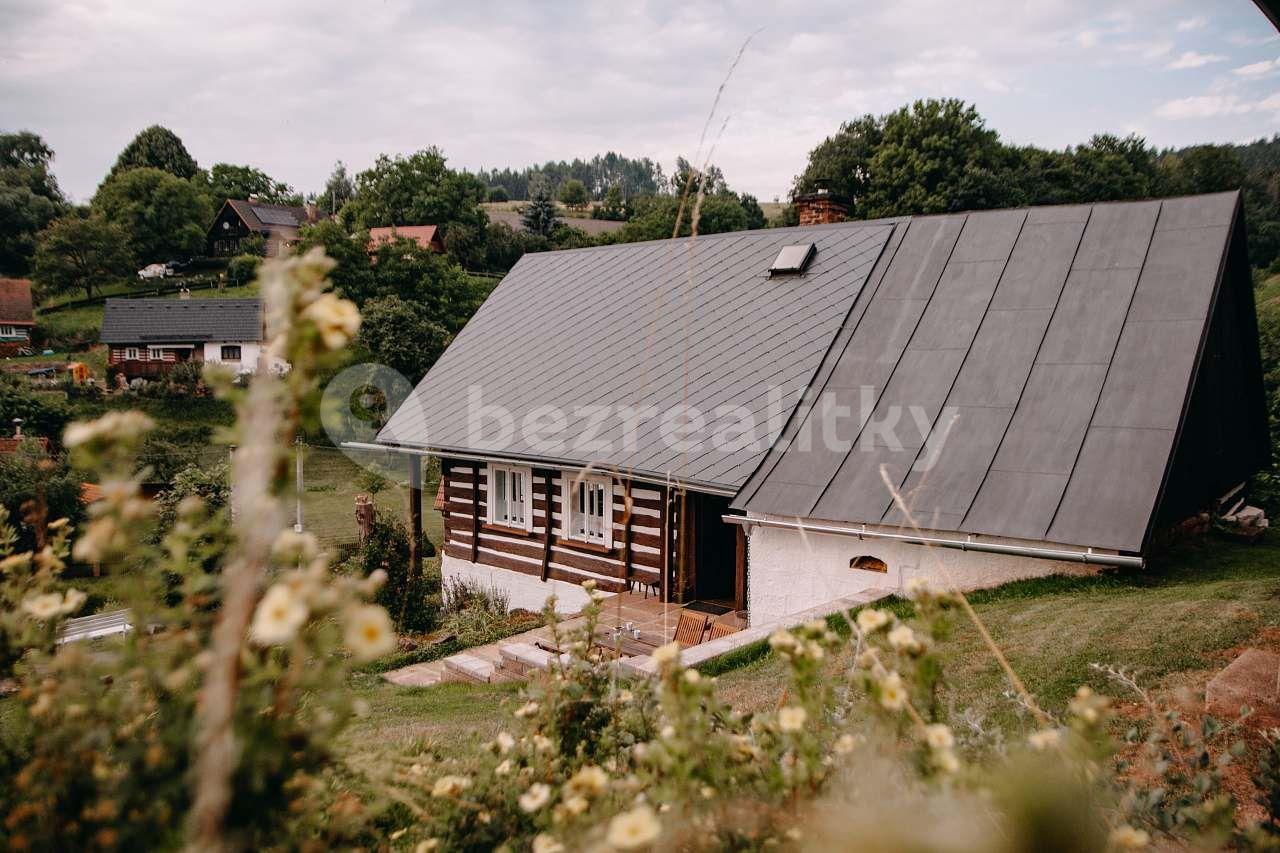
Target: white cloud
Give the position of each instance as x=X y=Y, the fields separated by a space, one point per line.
x=1088 y=38
x=1193 y=59
x=1257 y=69
x=1212 y=106
x=1186 y=25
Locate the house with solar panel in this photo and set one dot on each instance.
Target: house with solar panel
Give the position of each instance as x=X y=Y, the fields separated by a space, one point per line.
x=277 y=224
x=146 y=338
x=765 y=421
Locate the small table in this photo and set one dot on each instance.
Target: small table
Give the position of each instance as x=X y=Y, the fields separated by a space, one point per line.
x=626 y=643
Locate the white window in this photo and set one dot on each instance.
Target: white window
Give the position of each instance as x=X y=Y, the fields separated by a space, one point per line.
x=131 y=354
x=511 y=496
x=8 y=331
x=155 y=353
x=588 y=515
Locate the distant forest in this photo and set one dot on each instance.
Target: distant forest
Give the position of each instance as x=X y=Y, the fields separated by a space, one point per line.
x=633 y=177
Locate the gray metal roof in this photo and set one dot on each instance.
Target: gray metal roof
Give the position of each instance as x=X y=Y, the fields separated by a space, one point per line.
x=131 y=321
x=1050 y=353
x=655 y=324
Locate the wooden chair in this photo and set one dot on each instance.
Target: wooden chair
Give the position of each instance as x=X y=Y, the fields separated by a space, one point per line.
x=690 y=628
x=720 y=629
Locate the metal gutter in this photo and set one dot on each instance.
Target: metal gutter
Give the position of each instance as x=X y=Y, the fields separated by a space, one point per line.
x=1088 y=555
x=540 y=463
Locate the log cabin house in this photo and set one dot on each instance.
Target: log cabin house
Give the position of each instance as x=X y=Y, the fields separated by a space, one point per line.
x=17 y=316
x=146 y=338
x=277 y=224
x=766 y=421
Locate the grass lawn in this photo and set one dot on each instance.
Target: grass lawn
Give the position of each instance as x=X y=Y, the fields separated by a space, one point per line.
x=1176 y=624
x=331 y=482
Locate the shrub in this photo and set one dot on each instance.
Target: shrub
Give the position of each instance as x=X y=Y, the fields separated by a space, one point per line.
x=498 y=193
x=413 y=602
x=36 y=487
x=243 y=269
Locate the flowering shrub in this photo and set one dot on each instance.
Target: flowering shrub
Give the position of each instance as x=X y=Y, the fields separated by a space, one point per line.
x=593 y=760
x=210 y=723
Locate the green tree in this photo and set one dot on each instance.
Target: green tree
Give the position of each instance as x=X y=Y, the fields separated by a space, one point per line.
x=688 y=178
x=41 y=414
x=612 y=206
x=402 y=335
x=30 y=474
x=227 y=180
x=164 y=216
x=754 y=213
x=156 y=148
x=842 y=162
x=573 y=193
x=82 y=253
x=29 y=198
x=1201 y=169
x=655 y=217
x=540 y=216
x=338 y=190
x=926 y=154
x=1111 y=168
x=416 y=190
x=428 y=279
x=498 y=193
x=353 y=275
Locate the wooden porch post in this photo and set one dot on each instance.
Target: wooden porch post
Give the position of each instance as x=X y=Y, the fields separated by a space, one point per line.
x=740 y=570
x=548 y=522
x=415 y=516
x=415 y=528
x=627 y=513
x=475 y=512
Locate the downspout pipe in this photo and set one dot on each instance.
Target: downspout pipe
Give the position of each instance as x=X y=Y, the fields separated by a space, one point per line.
x=1088 y=555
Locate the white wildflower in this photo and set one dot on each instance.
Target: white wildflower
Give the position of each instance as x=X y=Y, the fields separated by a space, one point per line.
x=938 y=736
x=782 y=640
x=665 y=655
x=73 y=601
x=893 y=695
x=336 y=319
x=634 y=829
x=535 y=798
x=590 y=780
x=450 y=786
x=1128 y=838
x=946 y=761
x=692 y=676
x=293 y=547
x=1046 y=739
x=543 y=843
x=279 y=615
x=503 y=768
x=791 y=719
x=369 y=633
x=845 y=744
x=505 y=742
x=44 y=606
x=871 y=620
x=528 y=709
x=903 y=639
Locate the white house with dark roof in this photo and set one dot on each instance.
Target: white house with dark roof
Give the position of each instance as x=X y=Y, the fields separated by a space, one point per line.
x=147 y=337
x=765 y=421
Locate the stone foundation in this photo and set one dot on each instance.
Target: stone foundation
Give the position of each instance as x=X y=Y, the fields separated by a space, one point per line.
x=789 y=571
x=526 y=591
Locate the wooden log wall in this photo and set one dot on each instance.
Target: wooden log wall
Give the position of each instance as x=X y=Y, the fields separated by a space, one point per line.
x=636 y=553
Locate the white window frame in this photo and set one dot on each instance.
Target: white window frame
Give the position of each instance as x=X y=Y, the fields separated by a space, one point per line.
x=8 y=331
x=518 y=496
x=132 y=354
x=155 y=353
x=571 y=487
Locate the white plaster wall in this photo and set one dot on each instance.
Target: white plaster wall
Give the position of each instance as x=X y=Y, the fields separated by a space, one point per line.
x=250 y=352
x=525 y=591
x=789 y=571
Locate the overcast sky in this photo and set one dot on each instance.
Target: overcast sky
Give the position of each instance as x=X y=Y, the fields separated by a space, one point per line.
x=291 y=87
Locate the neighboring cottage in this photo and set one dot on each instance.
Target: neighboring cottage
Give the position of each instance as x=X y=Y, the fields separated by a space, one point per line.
x=17 y=318
x=426 y=236
x=277 y=224
x=729 y=419
x=147 y=337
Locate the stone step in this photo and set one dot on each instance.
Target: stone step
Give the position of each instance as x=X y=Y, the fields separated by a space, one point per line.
x=523 y=658
x=465 y=667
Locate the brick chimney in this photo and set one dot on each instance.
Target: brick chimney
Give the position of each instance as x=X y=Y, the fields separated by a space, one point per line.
x=821 y=207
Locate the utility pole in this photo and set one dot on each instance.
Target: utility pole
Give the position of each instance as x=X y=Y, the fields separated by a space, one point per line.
x=297 y=465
